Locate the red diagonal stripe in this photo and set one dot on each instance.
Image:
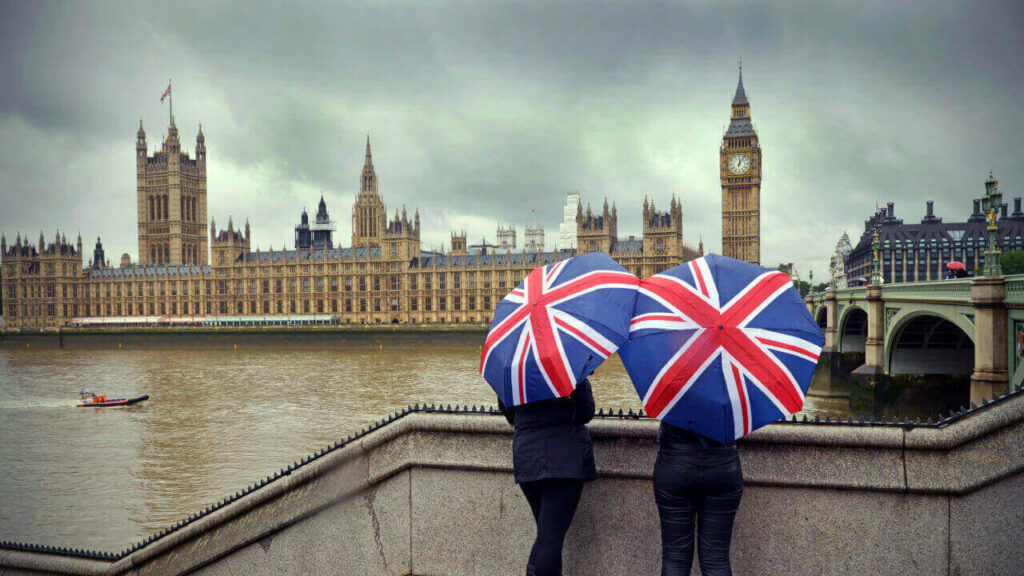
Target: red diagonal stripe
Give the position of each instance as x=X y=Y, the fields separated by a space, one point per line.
x=700 y=278
x=675 y=378
x=789 y=347
x=685 y=301
x=742 y=391
x=501 y=330
x=762 y=367
x=739 y=310
x=548 y=352
x=666 y=317
x=583 y=283
x=522 y=369
x=581 y=336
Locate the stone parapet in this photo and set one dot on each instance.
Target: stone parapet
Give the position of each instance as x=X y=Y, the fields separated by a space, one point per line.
x=428 y=492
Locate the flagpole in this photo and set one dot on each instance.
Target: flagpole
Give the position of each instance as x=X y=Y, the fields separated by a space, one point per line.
x=170 y=107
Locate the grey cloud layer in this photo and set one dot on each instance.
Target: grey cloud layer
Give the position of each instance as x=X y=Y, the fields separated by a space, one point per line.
x=480 y=113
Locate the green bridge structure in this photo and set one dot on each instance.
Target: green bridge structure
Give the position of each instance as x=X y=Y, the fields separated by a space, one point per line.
x=968 y=326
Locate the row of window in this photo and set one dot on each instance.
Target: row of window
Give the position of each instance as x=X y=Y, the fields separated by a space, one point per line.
x=425 y=304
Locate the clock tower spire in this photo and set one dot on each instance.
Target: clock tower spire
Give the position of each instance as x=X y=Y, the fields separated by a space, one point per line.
x=740 y=173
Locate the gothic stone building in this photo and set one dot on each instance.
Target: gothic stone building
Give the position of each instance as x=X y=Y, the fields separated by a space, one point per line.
x=919 y=252
x=740 y=172
x=384 y=277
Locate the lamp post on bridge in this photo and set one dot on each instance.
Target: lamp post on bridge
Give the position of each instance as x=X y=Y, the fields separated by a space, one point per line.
x=990 y=204
x=876 y=276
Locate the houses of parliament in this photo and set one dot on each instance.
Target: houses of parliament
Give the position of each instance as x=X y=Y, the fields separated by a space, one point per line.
x=191 y=272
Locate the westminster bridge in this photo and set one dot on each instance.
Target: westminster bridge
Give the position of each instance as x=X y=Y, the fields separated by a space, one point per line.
x=967 y=326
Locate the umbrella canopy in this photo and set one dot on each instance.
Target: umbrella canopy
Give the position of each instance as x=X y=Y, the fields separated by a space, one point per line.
x=721 y=347
x=556 y=327
x=954 y=265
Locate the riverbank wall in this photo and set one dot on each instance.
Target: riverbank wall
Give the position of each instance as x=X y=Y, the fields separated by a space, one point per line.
x=429 y=492
x=120 y=336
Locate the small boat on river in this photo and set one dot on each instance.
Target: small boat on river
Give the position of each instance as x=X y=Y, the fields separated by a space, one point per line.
x=90 y=399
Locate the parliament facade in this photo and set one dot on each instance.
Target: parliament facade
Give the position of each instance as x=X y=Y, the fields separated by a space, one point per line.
x=185 y=275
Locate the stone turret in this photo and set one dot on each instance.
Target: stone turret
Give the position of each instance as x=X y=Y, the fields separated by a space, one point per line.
x=459 y=246
x=402 y=237
x=596 y=233
x=229 y=245
x=98 y=256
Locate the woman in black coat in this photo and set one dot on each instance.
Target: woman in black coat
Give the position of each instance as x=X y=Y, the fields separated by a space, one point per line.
x=698 y=484
x=553 y=456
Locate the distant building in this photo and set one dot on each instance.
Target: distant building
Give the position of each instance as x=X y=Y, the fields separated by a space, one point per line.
x=319 y=235
x=484 y=247
x=386 y=276
x=790 y=270
x=99 y=259
x=567 y=229
x=171 y=201
x=920 y=252
x=534 y=238
x=843 y=248
x=740 y=170
x=507 y=237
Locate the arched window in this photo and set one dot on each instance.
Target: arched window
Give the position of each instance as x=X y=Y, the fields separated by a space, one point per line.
x=152 y=249
x=166 y=212
x=152 y=215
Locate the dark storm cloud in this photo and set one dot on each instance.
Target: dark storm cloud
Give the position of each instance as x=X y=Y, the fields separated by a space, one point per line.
x=480 y=113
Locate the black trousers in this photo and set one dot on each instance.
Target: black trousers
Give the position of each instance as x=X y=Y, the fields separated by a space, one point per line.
x=553 y=502
x=697 y=485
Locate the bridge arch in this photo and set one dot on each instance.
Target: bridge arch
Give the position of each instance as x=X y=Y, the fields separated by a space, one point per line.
x=929 y=342
x=821 y=317
x=853 y=329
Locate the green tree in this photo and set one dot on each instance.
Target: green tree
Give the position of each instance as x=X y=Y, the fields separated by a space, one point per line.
x=1012 y=262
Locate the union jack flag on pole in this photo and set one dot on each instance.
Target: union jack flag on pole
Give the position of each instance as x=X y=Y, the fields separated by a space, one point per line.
x=721 y=347
x=556 y=327
x=165 y=94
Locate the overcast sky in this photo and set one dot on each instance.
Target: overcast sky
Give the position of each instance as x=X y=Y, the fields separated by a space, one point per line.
x=480 y=113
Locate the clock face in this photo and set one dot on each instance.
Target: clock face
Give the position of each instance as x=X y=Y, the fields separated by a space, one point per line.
x=739 y=164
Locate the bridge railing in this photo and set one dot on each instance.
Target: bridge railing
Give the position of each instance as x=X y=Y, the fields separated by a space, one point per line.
x=1015 y=290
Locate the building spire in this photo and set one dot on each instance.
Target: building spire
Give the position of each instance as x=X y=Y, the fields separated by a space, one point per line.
x=369 y=157
x=741 y=96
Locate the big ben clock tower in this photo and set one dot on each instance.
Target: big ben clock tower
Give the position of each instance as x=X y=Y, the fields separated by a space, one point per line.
x=740 y=169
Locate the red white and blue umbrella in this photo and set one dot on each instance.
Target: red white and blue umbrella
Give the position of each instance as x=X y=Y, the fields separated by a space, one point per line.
x=721 y=347
x=556 y=327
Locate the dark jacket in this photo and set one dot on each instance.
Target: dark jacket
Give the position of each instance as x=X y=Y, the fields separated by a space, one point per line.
x=551 y=439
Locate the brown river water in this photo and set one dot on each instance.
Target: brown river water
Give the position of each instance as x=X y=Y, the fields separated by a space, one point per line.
x=218 y=419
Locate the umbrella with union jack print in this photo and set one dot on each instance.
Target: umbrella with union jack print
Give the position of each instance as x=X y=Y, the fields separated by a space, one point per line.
x=556 y=327
x=721 y=347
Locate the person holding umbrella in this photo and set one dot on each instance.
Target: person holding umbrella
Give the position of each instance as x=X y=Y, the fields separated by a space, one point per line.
x=717 y=349
x=547 y=336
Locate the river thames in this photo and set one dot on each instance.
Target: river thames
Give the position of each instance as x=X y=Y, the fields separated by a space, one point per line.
x=218 y=419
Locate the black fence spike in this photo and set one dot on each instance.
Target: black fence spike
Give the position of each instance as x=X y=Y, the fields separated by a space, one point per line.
x=929 y=420
x=849 y=419
x=630 y=413
x=974 y=406
x=600 y=411
x=984 y=401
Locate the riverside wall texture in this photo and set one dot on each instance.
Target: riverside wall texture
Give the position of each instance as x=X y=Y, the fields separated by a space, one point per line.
x=429 y=492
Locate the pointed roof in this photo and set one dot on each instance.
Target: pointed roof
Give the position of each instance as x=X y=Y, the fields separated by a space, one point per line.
x=741 y=96
x=369 y=157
